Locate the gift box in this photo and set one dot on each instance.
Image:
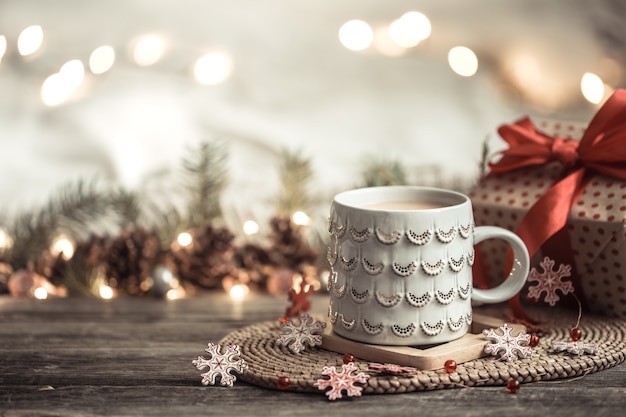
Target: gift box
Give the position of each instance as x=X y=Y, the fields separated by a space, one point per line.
x=565 y=201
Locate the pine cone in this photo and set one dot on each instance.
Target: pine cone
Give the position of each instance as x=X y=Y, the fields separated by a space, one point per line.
x=208 y=259
x=130 y=259
x=288 y=247
x=253 y=266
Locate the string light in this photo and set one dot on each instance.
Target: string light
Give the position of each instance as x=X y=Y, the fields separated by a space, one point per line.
x=184 y=239
x=415 y=26
x=250 y=227
x=6 y=242
x=29 y=40
x=238 y=291
x=40 y=293
x=101 y=59
x=62 y=246
x=148 y=50
x=592 y=88
x=106 y=292
x=58 y=87
x=212 y=68
x=3 y=46
x=463 y=61
x=356 y=35
x=301 y=218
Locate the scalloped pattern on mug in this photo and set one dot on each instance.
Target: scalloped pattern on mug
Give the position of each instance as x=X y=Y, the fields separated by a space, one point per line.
x=332 y=315
x=332 y=280
x=370 y=268
x=446 y=237
x=404 y=271
x=466 y=231
x=420 y=301
x=445 y=298
x=359 y=297
x=456 y=264
x=419 y=239
x=469 y=318
x=433 y=269
x=360 y=235
x=349 y=264
x=471 y=257
x=403 y=331
x=347 y=324
x=387 y=300
x=331 y=256
x=456 y=325
x=466 y=291
x=339 y=291
x=432 y=329
x=387 y=238
x=371 y=329
x=336 y=229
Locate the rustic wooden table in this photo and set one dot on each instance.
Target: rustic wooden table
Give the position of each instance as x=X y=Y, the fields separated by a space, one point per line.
x=132 y=356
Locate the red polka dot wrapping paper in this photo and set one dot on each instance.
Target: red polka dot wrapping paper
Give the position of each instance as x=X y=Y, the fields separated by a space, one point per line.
x=596 y=228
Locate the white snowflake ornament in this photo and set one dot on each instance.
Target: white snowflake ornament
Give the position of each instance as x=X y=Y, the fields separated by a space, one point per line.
x=343 y=380
x=221 y=364
x=575 y=347
x=549 y=281
x=506 y=346
x=297 y=336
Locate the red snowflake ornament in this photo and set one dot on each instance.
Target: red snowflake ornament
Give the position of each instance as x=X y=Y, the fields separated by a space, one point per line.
x=505 y=345
x=575 y=347
x=221 y=364
x=393 y=369
x=343 y=380
x=297 y=335
x=550 y=281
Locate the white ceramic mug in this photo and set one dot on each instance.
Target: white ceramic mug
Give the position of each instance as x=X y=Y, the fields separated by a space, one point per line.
x=401 y=265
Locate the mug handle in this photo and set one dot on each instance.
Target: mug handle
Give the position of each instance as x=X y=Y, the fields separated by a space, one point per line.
x=519 y=273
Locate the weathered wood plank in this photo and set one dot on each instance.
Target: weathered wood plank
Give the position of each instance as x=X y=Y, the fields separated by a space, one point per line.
x=132 y=357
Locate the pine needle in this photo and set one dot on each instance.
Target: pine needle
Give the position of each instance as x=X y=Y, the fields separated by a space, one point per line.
x=383 y=172
x=295 y=174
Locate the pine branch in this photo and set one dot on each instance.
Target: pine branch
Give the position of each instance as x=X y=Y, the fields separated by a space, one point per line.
x=295 y=173
x=74 y=209
x=382 y=172
x=205 y=169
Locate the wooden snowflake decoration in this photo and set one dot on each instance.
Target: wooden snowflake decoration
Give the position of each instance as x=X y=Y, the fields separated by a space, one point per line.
x=299 y=299
x=296 y=336
x=221 y=364
x=505 y=345
x=393 y=369
x=575 y=347
x=343 y=380
x=550 y=281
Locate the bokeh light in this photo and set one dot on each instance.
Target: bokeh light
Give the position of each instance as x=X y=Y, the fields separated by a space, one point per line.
x=463 y=61
x=148 y=50
x=63 y=246
x=250 y=227
x=301 y=218
x=58 y=87
x=592 y=88
x=106 y=292
x=212 y=68
x=29 y=40
x=3 y=46
x=238 y=291
x=102 y=59
x=356 y=35
x=415 y=26
x=184 y=239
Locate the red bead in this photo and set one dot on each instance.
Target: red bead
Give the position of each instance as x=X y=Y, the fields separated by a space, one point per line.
x=283 y=319
x=449 y=366
x=513 y=386
x=575 y=334
x=347 y=358
x=532 y=300
x=534 y=340
x=282 y=382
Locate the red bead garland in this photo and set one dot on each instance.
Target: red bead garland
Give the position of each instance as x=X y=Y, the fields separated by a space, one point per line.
x=575 y=334
x=534 y=340
x=449 y=366
x=347 y=358
x=513 y=386
x=282 y=382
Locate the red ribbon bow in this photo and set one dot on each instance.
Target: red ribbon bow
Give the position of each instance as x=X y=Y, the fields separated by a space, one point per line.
x=602 y=150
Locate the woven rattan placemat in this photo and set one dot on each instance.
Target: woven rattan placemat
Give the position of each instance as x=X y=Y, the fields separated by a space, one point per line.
x=268 y=361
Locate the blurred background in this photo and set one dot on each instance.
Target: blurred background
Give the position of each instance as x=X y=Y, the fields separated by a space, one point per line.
x=118 y=90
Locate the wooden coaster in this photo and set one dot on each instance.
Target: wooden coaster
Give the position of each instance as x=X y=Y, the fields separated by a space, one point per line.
x=469 y=347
